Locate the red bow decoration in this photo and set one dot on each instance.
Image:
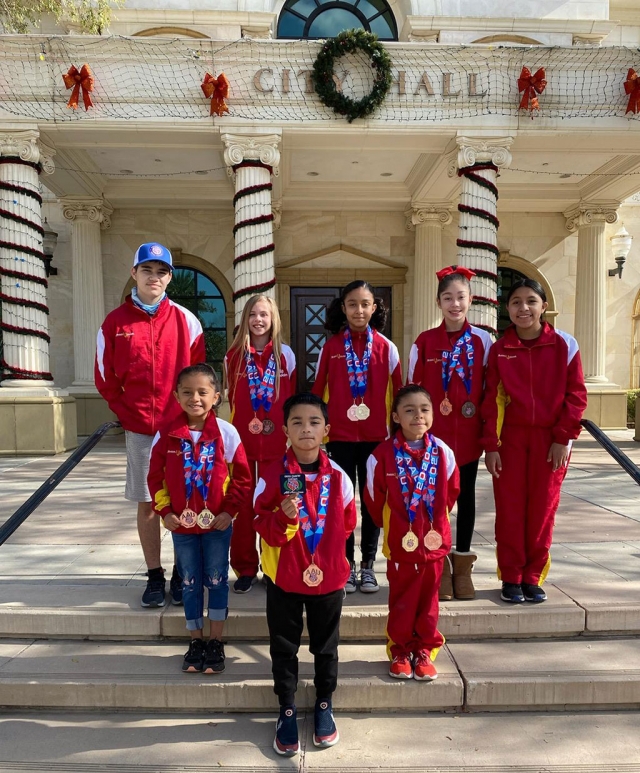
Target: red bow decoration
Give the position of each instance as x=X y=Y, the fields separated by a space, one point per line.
x=467 y=273
x=632 y=88
x=79 y=81
x=217 y=90
x=531 y=85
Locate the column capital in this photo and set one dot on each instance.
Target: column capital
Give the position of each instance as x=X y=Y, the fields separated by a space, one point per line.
x=477 y=150
x=94 y=210
x=434 y=215
x=27 y=145
x=591 y=213
x=251 y=147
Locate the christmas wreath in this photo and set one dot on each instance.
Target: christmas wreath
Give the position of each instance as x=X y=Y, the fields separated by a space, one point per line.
x=350 y=42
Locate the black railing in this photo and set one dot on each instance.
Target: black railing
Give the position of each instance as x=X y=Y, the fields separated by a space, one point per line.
x=25 y=510
x=623 y=460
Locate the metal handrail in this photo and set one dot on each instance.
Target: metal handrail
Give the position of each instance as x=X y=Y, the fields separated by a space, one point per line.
x=611 y=448
x=25 y=509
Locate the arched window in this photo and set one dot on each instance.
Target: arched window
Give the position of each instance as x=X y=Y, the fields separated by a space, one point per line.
x=313 y=19
x=196 y=292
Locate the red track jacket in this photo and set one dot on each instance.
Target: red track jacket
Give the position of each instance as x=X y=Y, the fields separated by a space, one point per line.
x=138 y=359
x=462 y=435
x=383 y=497
x=384 y=380
x=259 y=447
x=285 y=554
x=231 y=484
x=537 y=386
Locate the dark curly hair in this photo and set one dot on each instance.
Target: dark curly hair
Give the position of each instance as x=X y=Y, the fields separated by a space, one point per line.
x=337 y=319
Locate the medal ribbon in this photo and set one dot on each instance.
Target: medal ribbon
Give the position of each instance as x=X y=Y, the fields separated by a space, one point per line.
x=356 y=370
x=261 y=389
x=313 y=536
x=423 y=480
x=198 y=473
x=448 y=367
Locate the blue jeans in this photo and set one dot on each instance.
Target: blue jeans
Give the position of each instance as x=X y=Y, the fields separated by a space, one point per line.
x=203 y=562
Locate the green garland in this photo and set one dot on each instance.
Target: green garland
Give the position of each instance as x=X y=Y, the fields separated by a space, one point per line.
x=350 y=42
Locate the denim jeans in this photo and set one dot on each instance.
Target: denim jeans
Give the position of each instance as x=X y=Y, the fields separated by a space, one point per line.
x=203 y=562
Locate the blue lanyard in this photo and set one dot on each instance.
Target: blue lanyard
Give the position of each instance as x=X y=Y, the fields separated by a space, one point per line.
x=200 y=473
x=423 y=480
x=313 y=536
x=261 y=389
x=357 y=370
x=456 y=363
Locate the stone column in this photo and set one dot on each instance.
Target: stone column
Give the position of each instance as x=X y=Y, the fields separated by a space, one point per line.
x=88 y=216
x=428 y=222
x=590 y=220
x=251 y=161
x=479 y=160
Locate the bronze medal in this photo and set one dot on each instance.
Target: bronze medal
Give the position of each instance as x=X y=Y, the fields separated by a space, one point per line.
x=432 y=540
x=468 y=409
x=312 y=575
x=363 y=411
x=205 y=519
x=188 y=518
x=352 y=413
x=255 y=426
x=410 y=542
x=445 y=407
x=267 y=427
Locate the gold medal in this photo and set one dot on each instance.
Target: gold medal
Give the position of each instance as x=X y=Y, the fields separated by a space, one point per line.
x=410 y=542
x=432 y=540
x=255 y=426
x=352 y=413
x=363 y=412
x=205 y=518
x=267 y=427
x=445 y=407
x=188 y=518
x=312 y=575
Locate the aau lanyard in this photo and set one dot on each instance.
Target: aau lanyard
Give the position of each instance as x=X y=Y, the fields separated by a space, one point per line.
x=357 y=370
x=198 y=473
x=261 y=389
x=424 y=480
x=456 y=364
x=313 y=536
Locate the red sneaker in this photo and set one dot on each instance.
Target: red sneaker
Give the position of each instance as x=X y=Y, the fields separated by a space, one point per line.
x=423 y=668
x=400 y=667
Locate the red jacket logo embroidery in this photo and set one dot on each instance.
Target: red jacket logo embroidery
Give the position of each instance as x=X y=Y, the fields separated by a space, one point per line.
x=509 y=356
x=124 y=333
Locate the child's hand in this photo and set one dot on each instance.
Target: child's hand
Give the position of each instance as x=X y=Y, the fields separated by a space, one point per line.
x=558 y=455
x=289 y=506
x=493 y=463
x=171 y=521
x=222 y=521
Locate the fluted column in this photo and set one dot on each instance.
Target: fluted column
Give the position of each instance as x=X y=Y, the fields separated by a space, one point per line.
x=590 y=220
x=252 y=160
x=428 y=222
x=88 y=216
x=478 y=163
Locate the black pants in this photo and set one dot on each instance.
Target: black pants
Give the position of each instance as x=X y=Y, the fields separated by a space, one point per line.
x=284 y=617
x=466 y=517
x=352 y=457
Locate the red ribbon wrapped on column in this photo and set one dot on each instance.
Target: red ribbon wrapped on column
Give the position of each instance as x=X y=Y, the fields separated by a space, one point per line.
x=632 y=88
x=217 y=90
x=79 y=80
x=531 y=85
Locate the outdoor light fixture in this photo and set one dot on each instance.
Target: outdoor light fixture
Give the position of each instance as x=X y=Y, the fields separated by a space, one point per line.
x=49 y=241
x=621 y=243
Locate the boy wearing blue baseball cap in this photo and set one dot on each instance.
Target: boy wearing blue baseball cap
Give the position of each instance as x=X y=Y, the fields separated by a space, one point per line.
x=142 y=346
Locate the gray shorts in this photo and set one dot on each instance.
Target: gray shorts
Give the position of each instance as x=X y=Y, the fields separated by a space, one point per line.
x=138 y=455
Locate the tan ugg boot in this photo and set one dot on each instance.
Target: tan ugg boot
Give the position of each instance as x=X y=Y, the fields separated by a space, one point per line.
x=446 y=584
x=462 y=582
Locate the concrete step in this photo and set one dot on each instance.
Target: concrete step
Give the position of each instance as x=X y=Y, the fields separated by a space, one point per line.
x=520 y=675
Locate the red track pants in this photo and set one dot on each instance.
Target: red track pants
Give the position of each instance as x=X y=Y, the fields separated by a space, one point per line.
x=244 y=557
x=527 y=495
x=413 y=608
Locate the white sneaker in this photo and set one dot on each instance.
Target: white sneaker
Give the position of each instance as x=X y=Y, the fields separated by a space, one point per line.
x=368 y=582
x=352 y=582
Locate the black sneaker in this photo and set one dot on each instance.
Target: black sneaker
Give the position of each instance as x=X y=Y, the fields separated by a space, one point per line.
x=325 y=732
x=533 y=593
x=213 y=657
x=194 y=657
x=244 y=584
x=175 y=588
x=512 y=592
x=154 y=594
x=286 y=741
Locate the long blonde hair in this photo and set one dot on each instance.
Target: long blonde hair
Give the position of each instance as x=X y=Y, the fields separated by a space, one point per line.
x=242 y=341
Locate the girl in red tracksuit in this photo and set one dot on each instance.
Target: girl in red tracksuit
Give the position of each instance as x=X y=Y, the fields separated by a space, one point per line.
x=357 y=374
x=534 y=401
x=449 y=361
x=199 y=480
x=261 y=374
x=412 y=483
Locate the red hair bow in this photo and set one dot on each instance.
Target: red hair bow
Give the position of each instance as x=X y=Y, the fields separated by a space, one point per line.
x=217 y=90
x=531 y=85
x=632 y=88
x=79 y=80
x=467 y=273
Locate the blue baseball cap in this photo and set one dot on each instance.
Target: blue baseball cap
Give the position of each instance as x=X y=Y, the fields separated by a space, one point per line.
x=152 y=251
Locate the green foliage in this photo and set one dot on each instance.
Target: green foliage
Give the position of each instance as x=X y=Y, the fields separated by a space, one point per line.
x=20 y=16
x=632 y=395
x=350 y=42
